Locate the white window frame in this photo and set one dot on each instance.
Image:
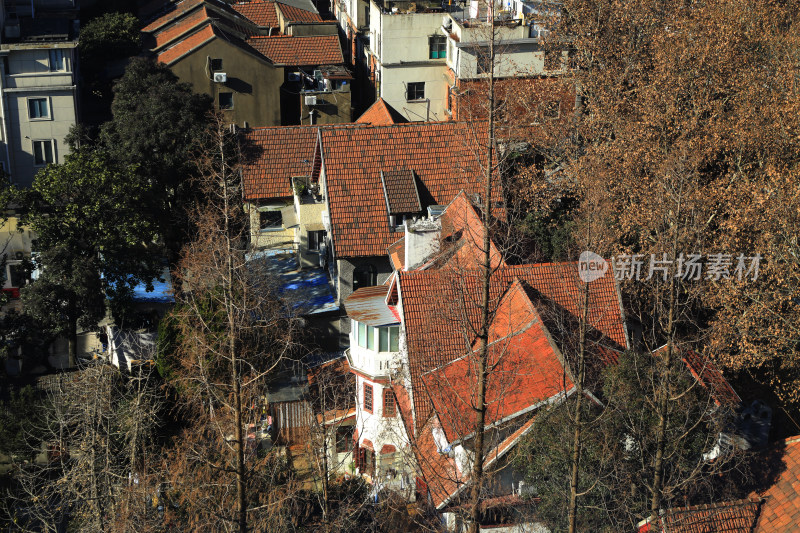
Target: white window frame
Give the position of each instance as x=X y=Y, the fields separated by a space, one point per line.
x=51 y=56
x=52 y=149
x=49 y=108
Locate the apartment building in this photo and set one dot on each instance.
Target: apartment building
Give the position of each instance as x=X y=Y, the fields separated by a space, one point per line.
x=38 y=78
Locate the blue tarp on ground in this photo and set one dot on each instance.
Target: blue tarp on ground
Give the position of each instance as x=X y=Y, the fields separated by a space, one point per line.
x=307 y=290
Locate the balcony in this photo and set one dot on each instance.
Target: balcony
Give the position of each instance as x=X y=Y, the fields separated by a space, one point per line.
x=369 y=362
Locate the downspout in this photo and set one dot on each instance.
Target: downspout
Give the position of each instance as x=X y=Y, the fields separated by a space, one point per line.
x=4 y=112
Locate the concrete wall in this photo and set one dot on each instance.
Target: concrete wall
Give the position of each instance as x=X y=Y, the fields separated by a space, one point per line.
x=400 y=44
x=255 y=83
x=30 y=76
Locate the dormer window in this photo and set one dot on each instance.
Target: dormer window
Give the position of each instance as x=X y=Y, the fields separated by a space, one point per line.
x=401 y=195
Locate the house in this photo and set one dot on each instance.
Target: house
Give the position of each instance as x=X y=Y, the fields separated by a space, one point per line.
x=39 y=82
x=248 y=56
x=374 y=178
x=412 y=345
x=405 y=56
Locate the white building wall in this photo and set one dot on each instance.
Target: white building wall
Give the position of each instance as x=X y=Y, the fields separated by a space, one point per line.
x=29 y=75
x=402 y=49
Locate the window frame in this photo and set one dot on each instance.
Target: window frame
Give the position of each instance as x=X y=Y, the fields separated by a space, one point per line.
x=547 y=106
x=369 y=388
x=389 y=409
x=53 y=56
x=319 y=238
x=361 y=335
x=52 y=144
x=437 y=47
x=417 y=89
x=46 y=99
x=219 y=101
x=342 y=439
x=216 y=64
x=387 y=330
x=274 y=227
x=371 y=338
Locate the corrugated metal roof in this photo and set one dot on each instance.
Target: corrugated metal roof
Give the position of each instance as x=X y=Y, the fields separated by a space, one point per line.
x=368 y=305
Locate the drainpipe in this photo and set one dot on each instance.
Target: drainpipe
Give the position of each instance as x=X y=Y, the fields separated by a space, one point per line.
x=3 y=117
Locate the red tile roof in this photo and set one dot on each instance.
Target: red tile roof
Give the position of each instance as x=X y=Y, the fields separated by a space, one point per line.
x=443 y=156
x=381 y=114
x=272 y=156
x=290 y=50
x=463 y=229
x=781 y=510
x=175 y=11
x=527 y=370
x=259 y=12
x=295 y=14
x=187 y=44
x=400 y=189
x=442 y=313
x=182 y=26
x=729 y=517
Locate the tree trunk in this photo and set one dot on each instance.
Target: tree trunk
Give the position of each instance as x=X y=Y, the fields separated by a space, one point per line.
x=577 y=442
x=72 y=334
x=483 y=334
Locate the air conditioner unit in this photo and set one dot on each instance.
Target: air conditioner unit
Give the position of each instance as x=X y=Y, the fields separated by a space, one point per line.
x=220 y=77
x=311 y=100
x=294 y=76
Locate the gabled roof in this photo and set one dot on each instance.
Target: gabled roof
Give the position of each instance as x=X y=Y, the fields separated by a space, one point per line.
x=169 y=32
x=381 y=114
x=400 y=190
x=527 y=371
x=297 y=14
x=288 y=50
x=188 y=44
x=442 y=312
x=273 y=156
x=171 y=12
x=444 y=156
x=261 y=13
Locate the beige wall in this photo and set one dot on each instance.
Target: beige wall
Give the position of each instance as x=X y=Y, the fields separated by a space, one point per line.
x=266 y=239
x=255 y=83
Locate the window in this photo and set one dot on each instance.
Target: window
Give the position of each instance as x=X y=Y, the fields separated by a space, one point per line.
x=484 y=62
x=362 y=335
x=364 y=276
x=389 y=407
x=343 y=436
x=389 y=339
x=38 y=108
x=216 y=64
x=57 y=60
x=270 y=220
x=415 y=90
x=315 y=240
x=438 y=46
x=371 y=338
x=368 y=397
x=551 y=110
x=226 y=100
x=43 y=153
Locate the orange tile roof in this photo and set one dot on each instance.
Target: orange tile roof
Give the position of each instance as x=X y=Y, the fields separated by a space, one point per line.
x=443 y=156
x=175 y=11
x=295 y=14
x=462 y=237
x=400 y=189
x=729 y=517
x=259 y=12
x=186 y=45
x=381 y=114
x=527 y=371
x=272 y=156
x=182 y=26
x=781 y=509
x=290 y=50
x=441 y=311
